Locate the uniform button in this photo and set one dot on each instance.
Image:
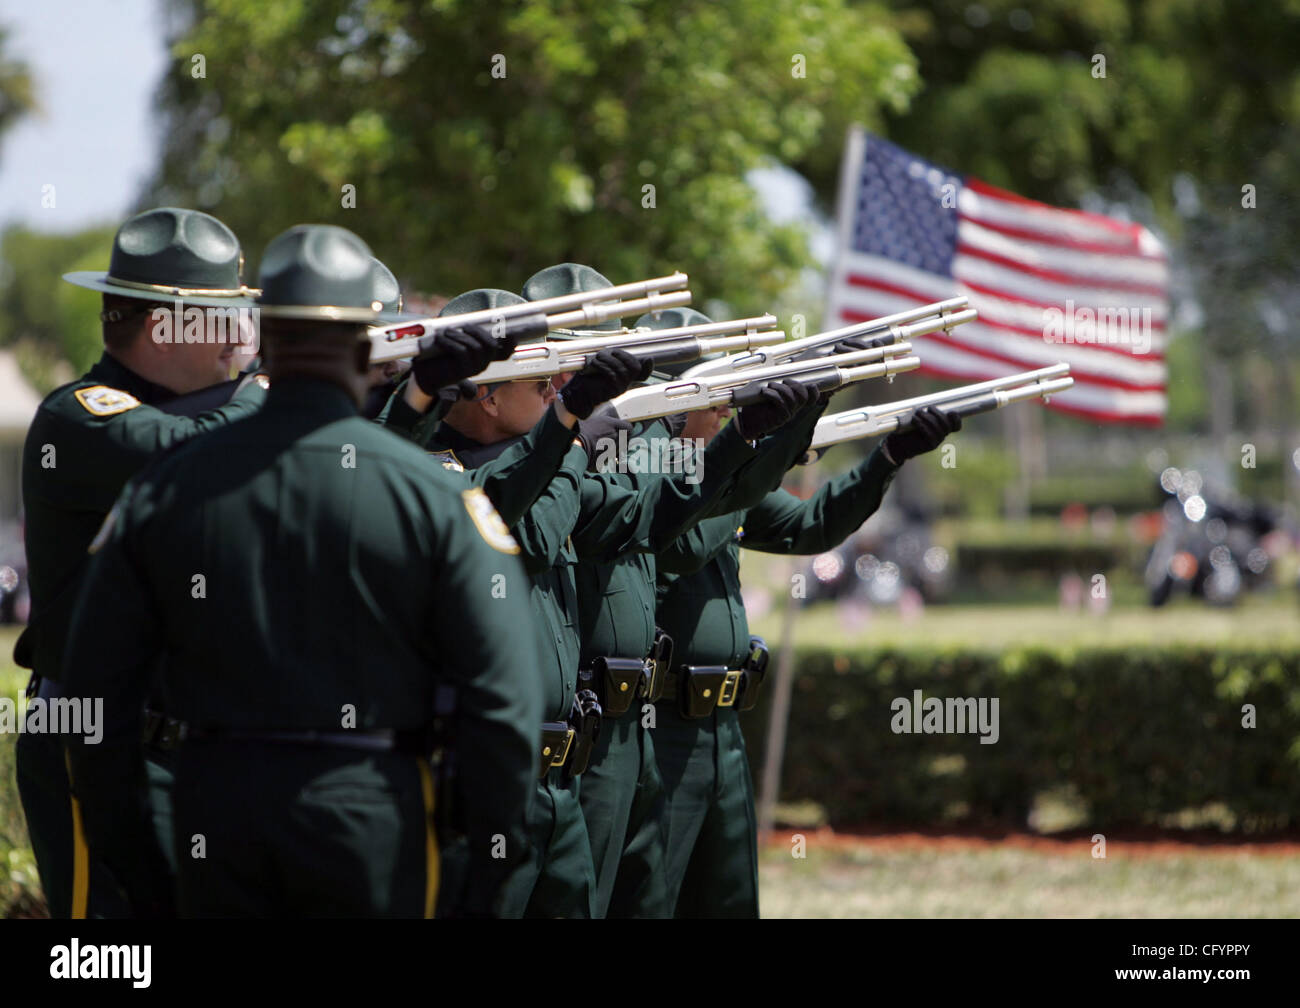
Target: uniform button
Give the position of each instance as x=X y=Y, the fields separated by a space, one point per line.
x=568 y=685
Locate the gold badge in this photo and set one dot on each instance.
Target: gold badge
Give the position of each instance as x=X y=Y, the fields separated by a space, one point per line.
x=488 y=522
x=449 y=460
x=100 y=400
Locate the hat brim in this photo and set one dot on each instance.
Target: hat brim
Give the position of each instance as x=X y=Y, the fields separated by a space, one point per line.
x=398 y=318
x=319 y=313
x=98 y=281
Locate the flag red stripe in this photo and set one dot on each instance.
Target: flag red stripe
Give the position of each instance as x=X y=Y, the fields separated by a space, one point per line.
x=1061 y=242
x=1056 y=276
x=856 y=316
x=1100 y=220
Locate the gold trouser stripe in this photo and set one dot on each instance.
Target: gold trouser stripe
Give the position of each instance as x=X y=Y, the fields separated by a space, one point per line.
x=430 y=841
x=80 y=861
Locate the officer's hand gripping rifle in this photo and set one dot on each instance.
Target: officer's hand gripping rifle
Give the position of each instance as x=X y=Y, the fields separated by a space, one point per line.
x=740 y=388
x=966 y=400
x=891 y=329
x=665 y=346
x=532 y=319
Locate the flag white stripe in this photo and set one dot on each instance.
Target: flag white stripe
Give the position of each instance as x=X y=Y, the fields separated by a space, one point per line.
x=875 y=303
x=992 y=308
x=1092 y=267
x=1007 y=280
x=1048 y=222
x=1082 y=395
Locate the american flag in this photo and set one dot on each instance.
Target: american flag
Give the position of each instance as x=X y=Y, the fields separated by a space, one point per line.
x=1049 y=284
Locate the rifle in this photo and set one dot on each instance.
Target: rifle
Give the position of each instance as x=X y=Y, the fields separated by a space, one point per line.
x=891 y=329
x=966 y=400
x=529 y=319
x=741 y=388
x=664 y=345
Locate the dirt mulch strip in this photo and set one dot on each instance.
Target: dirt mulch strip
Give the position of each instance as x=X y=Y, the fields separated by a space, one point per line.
x=1128 y=843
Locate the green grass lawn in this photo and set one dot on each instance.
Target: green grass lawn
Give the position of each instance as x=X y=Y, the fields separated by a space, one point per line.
x=1261 y=620
x=1012 y=882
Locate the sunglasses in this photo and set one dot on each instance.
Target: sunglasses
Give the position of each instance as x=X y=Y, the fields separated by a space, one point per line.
x=542 y=385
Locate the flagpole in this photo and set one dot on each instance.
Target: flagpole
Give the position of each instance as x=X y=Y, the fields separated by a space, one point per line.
x=778 y=721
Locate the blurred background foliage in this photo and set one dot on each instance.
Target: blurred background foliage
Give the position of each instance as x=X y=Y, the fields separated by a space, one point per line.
x=472 y=144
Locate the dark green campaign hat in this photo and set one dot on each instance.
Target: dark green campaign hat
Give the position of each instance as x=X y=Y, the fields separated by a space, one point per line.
x=169 y=253
x=568 y=278
x=318 y=272
x=480 y=299
x=388 y=293
x=674 y=318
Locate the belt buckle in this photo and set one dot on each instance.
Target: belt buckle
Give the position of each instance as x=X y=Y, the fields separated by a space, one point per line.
x=172 y=732
x=562 y=753
x=730 y=687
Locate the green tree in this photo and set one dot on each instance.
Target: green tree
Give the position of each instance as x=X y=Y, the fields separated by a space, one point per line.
x=17 y=95
x=44 y=319
x=484 y=141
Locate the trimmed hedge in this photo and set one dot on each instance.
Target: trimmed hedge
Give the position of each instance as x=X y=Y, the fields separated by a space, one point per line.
x=1134 y=735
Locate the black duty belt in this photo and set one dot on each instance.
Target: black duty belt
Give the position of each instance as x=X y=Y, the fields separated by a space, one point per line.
x=699 y=690
x=161 y=731
x=414 y=742
x=616 y=682
x=557 y=741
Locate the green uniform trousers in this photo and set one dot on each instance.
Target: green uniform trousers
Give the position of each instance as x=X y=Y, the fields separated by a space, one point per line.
x=710 y=836
x=279 y=830
x=623 y=805
x=47 y=803
x=555 y=878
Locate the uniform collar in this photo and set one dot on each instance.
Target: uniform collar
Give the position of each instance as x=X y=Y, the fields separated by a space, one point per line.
x=313 y=396
x=110 y=371
x=471 y=453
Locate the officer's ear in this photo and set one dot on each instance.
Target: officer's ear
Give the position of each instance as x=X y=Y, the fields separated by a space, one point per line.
x=361 y=357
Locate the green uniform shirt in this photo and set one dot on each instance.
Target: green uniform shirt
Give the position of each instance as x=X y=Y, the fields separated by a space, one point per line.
x=608 y=518
x=304 y=569
x=87 y=439
x=700 y=603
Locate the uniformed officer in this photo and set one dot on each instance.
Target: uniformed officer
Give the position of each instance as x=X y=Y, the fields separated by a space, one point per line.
x=710 y=828
x=359 y=578
x=86 y=440
x=596 y=519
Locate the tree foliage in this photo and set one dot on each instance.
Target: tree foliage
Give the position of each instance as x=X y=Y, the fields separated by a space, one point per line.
x=484 y=141
x=17 y=94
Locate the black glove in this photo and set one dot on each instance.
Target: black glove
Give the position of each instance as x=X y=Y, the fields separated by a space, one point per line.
x=929 y=427
x=610 y=373
x=601 y=428
x=777 y=405
x=460 y=353
x=848 y=345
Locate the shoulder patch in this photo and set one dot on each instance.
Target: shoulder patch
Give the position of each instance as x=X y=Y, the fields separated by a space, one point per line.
x=449 y=460
x=488 y=522
x=100 y=400
x=740 y=533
